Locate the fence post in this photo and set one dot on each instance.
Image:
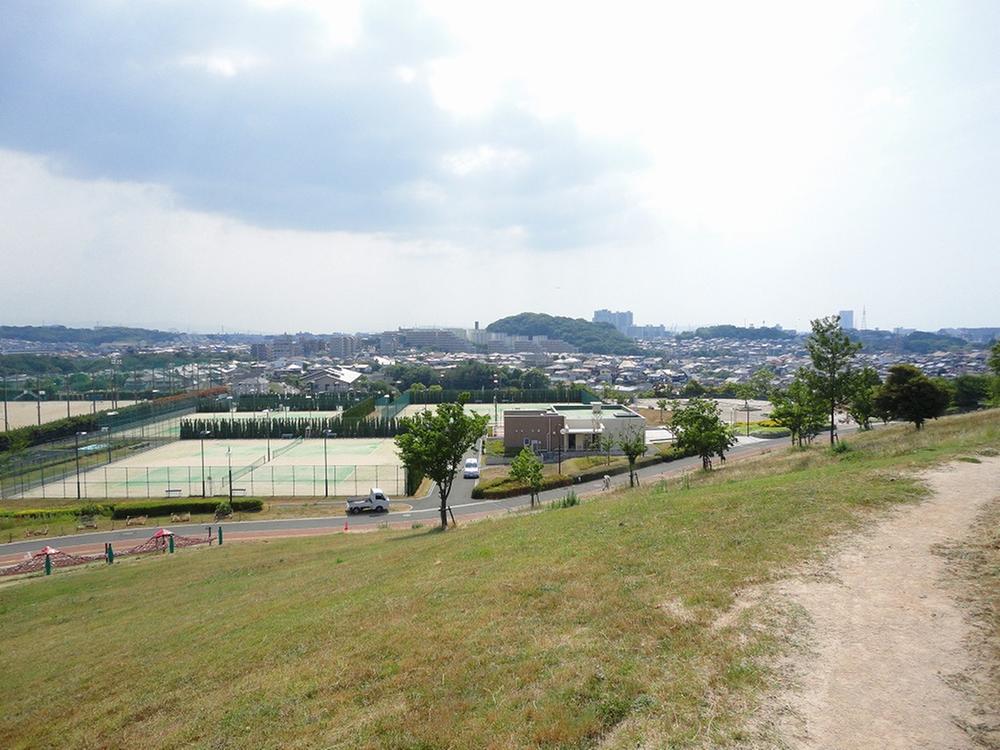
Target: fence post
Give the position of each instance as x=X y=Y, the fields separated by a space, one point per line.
x=48 y=565
x=355 y=479
x=105 y=481
x=170 y=542
x=220 y=535
x=147 y=482
x=126 y=483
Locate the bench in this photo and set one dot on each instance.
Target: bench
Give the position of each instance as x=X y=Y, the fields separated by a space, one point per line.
x=86 y=522
x=173 y=492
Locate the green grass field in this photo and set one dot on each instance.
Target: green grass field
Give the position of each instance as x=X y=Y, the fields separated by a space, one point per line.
x=565 y=628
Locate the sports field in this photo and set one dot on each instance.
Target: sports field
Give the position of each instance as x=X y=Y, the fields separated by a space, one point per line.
x=412 y=409
x=260 y=468
x=25 y=413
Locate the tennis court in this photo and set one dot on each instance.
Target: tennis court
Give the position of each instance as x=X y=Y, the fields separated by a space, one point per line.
x=412 y=409
x=265 y=468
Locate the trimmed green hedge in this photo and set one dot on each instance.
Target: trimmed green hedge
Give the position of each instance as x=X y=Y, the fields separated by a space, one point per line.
x=771 y=432
x=140 y=508
x=197 y=505
x=496 y=489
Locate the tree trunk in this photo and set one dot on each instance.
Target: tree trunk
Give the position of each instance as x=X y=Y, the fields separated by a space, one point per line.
x=444 y=512
x=832 y=422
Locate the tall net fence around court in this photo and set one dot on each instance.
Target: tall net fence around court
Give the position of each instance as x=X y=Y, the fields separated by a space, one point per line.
x=256 y=480
x=27 y=470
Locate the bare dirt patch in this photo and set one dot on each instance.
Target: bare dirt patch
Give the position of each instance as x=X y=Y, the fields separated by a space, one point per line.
x=894 y=651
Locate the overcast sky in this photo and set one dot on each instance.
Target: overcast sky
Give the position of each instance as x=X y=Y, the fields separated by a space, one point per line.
x=263 y=165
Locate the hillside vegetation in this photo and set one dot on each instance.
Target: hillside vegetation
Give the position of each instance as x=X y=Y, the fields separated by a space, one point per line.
x=607 y=623
x=596 y=338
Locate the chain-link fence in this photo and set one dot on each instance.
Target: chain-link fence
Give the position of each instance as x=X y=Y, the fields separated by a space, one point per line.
x=257 y=480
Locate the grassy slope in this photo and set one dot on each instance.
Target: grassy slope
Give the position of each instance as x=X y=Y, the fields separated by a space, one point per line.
x=546 y=630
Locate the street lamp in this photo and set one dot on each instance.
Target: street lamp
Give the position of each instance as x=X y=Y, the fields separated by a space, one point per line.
x=38 y=403
x=562 y=436
x=496 y=394
x=204 y=434
x=326 y=471
x=267 y=416
x=107 y=438
x=229 y=460
x=77 y=452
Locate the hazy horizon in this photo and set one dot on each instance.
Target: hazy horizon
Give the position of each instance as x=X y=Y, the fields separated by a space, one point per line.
x=287 y=165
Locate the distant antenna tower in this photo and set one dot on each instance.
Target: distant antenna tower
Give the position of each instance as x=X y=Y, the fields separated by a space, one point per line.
x=864 y=322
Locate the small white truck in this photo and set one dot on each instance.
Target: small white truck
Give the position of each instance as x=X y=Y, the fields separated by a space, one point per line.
x=376 y=502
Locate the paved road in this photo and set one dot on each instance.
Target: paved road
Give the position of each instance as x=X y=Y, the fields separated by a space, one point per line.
x=424 y=510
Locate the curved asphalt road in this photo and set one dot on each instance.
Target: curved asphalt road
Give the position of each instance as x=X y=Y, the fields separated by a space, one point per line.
x=424 y=510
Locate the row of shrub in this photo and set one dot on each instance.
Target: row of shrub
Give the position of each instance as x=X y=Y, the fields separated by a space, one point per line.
x=504 y=395
x=496 y=489
x=25 y=437
x=137 y=508
x=258 y=429
x=360 y=410
x=298 y=402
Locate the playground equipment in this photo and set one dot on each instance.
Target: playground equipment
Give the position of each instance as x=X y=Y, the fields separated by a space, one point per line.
x=162 y=540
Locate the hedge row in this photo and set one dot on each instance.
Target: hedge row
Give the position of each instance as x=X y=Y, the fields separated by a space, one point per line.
x=360 y=410
x=37 y=434
x=258 y=402
x=189 y=505
x=504 y=395
x=140 y=508
x=257 y=429
x=497 y=489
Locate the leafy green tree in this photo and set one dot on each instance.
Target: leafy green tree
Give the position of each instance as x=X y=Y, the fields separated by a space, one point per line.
x=692 y=389
x=994 y=364
x=832 y=353
x=699 y=428
x=527 y=469
x=662 y=406
x=633 y=444
x=798 y=408
x=861 y=399
x=434 y=445
x=910 y=395
x=606 y=444
x=970 y=391
x=535 y=379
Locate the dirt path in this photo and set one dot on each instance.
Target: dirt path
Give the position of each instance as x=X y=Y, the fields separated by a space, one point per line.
x=888 y=643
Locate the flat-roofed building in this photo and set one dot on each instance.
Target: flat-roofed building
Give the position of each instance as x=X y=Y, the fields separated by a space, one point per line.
x=576 y=427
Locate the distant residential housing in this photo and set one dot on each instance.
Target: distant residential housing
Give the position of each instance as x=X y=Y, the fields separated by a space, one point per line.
x=330 y=379
x=846 y=319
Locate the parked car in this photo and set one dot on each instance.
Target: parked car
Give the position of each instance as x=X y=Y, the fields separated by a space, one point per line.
x=376 y=502
x=471 y=470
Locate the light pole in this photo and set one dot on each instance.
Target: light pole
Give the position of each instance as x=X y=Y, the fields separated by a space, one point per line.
x=77 y=452
x=229 y=460
x=107 y=437
x=326 y=470
x=6 y=424
x=496 y=394
x=267 y=416
x=38 y=403
x=562 y=436
x=203 y=434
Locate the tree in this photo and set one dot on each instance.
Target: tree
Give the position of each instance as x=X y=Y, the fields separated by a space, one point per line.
x=970 y=390
x=832 y=353
x=434 y=445
x=994 y=364
x=699 y=428
x=861 y=398
x=527 y=469
x=633 y=444
x=606 y=444
x=662 y=406
x=909 y=394
x=798 y=408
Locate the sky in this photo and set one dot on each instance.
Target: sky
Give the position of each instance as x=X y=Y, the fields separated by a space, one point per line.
x=298 y=165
